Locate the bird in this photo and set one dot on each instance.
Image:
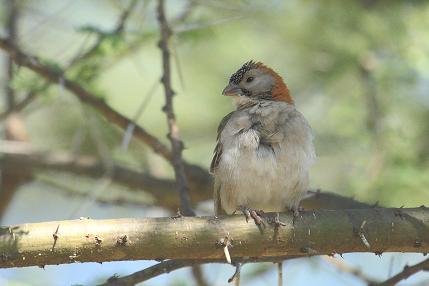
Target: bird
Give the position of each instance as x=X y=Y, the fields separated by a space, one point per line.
x=264 y=147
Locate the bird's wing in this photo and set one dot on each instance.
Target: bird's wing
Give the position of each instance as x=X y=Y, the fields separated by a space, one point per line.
x=215 y=162
x=218 y=149
x=218 y=210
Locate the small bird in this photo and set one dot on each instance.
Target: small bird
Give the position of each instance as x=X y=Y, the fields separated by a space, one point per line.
x=264 y=147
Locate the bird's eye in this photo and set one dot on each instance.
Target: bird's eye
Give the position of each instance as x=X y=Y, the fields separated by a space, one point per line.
x=250 y=79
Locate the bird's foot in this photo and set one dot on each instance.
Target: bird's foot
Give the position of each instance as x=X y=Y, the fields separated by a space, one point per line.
x=256 y=215
x=277 y=221
x=295 y=212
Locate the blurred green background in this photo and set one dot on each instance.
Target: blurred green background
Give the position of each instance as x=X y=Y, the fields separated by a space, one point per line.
x=358 y=71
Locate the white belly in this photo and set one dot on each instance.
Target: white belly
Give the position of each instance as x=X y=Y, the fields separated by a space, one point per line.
x=260 y=178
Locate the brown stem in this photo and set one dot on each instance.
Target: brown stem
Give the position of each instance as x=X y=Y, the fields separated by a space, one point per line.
x=168 y=266
x=12 y=20
x=174 y=134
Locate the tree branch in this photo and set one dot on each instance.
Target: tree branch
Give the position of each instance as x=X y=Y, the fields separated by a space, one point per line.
x=14 y=156
x=200 y=177
x=12 y=30
x=118 y=29
x=168 y=266
x=404 y=274
x=85 y=96
x=314 y=233
x=174 y=135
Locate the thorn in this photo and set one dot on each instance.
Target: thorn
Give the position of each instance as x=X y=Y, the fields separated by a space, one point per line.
x=378 y=253
x=309 y=250
x=55 y=235
x=178 y=214
x=4 y=257
x=417 y=243
x=277 y=221
x=98 y=241
x=399 y=213
x=362 y=235
x=236 y=274
x=122 y=240
x=225 y=243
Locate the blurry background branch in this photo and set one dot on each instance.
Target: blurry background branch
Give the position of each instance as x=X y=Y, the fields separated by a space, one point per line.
x=168 y=266
x=15 y=155
x=173 y=129
x=404 y=274
x=195 y=173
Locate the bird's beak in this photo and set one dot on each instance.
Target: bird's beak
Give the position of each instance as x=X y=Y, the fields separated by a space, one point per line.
x=232 y=89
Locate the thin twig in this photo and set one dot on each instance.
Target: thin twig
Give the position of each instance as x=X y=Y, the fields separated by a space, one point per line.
x=31 y=95
x=174 y=136
x=236 y=276
x=280 y=274
x=84 y=95
x=118 y=29
x=405 y=273
x=68 y=191
x=130 y=129
x=12 y=20
x=175 y=264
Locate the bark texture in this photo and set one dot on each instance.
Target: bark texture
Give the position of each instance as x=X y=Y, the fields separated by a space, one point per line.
x=313 y=233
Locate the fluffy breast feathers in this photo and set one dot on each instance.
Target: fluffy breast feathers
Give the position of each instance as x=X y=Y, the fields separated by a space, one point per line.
x=262 y=157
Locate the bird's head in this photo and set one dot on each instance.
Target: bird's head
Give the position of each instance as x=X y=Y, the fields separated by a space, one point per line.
x=254 y=81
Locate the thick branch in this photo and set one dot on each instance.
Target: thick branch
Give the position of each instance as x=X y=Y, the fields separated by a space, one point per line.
x=174 y=135
x=314 y=233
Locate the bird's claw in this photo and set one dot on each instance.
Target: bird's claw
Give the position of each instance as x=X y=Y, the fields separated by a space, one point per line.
x=256 y=215
x=295 y=212
x=277 y=221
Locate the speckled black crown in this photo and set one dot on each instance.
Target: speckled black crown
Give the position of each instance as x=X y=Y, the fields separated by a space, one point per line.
x=238 y=75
